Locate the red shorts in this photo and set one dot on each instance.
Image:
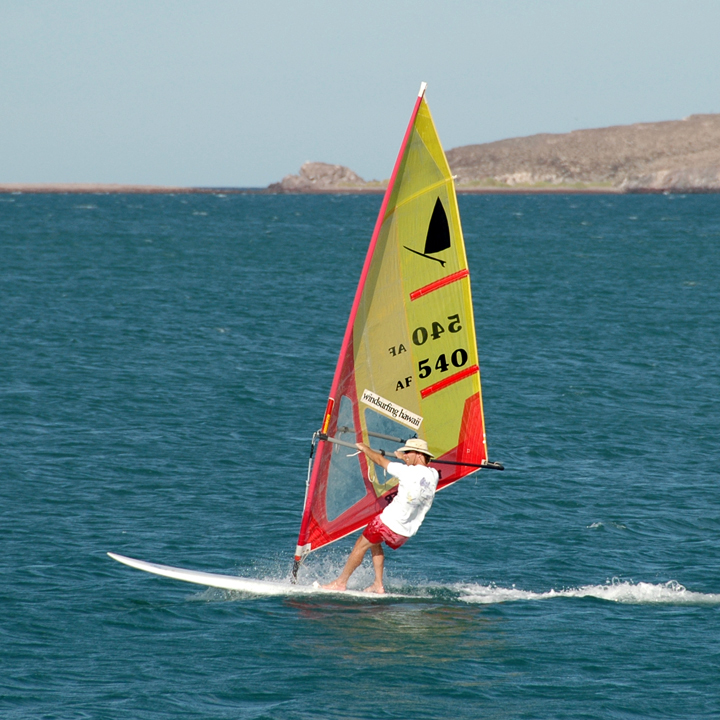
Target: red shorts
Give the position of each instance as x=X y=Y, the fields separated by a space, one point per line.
x=377 y=531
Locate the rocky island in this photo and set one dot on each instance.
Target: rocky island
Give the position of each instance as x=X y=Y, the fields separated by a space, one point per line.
x=319 y=177
x=673 y=156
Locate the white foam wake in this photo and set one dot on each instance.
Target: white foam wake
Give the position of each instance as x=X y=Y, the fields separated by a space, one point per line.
x=620 y=591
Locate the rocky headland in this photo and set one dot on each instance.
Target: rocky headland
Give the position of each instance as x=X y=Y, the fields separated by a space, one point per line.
x=673 y=156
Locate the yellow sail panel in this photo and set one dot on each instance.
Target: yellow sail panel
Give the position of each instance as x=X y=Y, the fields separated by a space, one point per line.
x=409 y=362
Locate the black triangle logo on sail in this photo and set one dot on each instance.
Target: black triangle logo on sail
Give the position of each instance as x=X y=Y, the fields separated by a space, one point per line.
x=438 y=235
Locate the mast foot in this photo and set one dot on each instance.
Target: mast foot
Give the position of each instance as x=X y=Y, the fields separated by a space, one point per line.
x=296 y=567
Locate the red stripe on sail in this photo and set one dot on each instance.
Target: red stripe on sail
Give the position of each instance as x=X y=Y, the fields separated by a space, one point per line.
x=447 y=280
x=442 y=384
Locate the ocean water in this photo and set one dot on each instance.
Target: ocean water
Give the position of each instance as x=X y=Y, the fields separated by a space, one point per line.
x=164 y=361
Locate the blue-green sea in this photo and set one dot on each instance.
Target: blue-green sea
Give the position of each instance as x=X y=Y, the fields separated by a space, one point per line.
x=164 y=361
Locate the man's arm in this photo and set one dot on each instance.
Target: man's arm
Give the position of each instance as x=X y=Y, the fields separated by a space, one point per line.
x=375 y=456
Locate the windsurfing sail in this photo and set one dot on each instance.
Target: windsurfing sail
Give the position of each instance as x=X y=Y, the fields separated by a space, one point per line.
x=408 y=363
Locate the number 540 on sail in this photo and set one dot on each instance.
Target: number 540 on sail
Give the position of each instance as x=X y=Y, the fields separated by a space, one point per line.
x=458 y=358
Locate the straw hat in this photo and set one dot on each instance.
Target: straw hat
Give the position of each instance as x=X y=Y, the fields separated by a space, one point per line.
x=417 y=445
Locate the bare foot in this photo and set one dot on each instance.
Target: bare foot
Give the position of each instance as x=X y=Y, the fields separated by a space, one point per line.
x=375 y=588
x=335 y=585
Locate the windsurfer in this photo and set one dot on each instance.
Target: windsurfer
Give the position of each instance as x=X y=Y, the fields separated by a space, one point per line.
x=401 y=518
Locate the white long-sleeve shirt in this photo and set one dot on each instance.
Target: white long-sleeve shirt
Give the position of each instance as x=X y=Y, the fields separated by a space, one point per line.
x=415 y=494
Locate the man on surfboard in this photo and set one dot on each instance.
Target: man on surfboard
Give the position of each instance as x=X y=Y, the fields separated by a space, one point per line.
x=402 y=517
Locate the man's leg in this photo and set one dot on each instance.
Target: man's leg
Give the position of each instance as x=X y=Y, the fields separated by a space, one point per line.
x=352 y=564
x=378 y=558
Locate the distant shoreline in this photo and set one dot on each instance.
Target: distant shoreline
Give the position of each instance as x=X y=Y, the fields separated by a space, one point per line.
x=117 y=189
x=114 y=189
x=670 y=157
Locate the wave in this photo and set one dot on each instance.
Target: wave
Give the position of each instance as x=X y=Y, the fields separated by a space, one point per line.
x=615 y=590
x=619 y=591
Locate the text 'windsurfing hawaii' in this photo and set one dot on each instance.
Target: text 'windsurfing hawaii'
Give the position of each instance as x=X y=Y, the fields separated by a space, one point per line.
x=386 y=407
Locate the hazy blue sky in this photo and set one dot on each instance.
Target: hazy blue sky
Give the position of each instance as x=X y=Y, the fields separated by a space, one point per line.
x=235 y=93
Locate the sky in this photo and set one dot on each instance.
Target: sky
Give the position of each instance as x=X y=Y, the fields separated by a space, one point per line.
x=236 y=93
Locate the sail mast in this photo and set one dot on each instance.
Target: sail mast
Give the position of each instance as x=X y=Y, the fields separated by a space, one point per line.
x=353 y=312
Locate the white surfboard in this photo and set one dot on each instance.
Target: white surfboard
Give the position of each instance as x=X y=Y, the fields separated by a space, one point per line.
x=241 y=584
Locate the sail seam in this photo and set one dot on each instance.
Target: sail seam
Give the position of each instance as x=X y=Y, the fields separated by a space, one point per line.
x=408 y=199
